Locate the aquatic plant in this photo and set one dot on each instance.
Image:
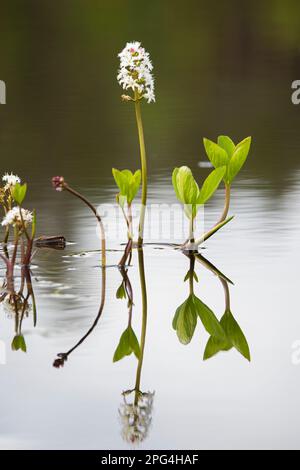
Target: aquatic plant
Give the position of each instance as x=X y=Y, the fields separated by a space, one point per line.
x=234 y=336
x=18 y=220
x=18 y=303
x=129 y=185
x=192 y=197
x=128 y=343
x=228 y=159
x=226 y=153
x=188 y=313
x=135 y=73
x=59 y=184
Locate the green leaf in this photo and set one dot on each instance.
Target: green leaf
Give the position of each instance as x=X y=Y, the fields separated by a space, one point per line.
x=134 y=344
x=234 y=338
x=19 y=193
x=121 y=292
x=185 y=321
x=134 y=185
x=238 y=159
x=128 y=184
x=120 y=180
x=185 y=186
x=19 y=343
x=227 y=144
x=216 y=154
x=235 y=335
x=211 y=184
x=128 y=344
x=208 y=319
x=214 y=346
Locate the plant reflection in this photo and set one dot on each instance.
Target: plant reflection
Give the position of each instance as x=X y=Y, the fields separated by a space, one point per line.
x=224 y=334
x=136 y=410
x=63 y=357
x=18 y=303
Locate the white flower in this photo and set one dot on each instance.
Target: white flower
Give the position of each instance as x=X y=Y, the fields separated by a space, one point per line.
x=136 y=419
x=13 y=217
x=135 y=70
x=10 y=180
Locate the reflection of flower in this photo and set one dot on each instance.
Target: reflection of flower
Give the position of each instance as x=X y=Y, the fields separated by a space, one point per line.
x=136 y=71
x=13 y=217
x=10 y=180
x=136 y=418
x=13 y=305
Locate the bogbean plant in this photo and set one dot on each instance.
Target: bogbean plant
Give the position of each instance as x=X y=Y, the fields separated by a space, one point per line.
x=224 y=334
x=135 y=74
x=17 y=220
x=228 y=159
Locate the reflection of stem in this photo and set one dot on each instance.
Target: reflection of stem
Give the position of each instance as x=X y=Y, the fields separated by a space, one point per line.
x=94 y=210
x=129 y=292
x=144 y=324
x=143 y=164
x=64 y=356
x=227 y=293
x=191 y=278
x=201 y=259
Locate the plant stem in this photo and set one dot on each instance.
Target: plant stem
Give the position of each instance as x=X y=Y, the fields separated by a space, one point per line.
x=191 y=234
x=144 y=324
x=192 y=269
x=93 y=209
x=211 y=232
x=226 y=206
x=143 y=165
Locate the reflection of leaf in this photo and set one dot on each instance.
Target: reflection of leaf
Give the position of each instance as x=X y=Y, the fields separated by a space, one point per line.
x=128 y=344
x=208 y=319
x=188 y=275
x=18 y=343
x=121 y=292
x=234 y=339
x=185 y=320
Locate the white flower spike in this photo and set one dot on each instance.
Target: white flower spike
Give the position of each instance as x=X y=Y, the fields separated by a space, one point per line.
x=10 y=180
x=13 y=217
x=135 y=71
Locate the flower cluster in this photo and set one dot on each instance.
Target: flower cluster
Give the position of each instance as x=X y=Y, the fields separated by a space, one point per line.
x=58 y=183
x=13 y=217
x=136 y=71
x=10 y=180
x=136 y=419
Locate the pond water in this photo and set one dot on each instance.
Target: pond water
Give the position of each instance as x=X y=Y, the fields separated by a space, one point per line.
x=218 y=71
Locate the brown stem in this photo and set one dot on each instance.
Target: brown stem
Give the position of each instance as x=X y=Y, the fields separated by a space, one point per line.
x=94 y=210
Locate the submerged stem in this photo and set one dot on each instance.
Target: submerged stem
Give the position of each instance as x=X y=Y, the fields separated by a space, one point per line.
x=138 y=116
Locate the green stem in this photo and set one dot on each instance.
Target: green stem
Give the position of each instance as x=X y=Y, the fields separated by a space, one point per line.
x=192 y=269
x=144 y=324
x=143 y=165
x=226 y=206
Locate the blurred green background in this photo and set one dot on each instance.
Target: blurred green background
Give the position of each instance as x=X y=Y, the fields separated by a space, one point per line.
x=220 y=67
